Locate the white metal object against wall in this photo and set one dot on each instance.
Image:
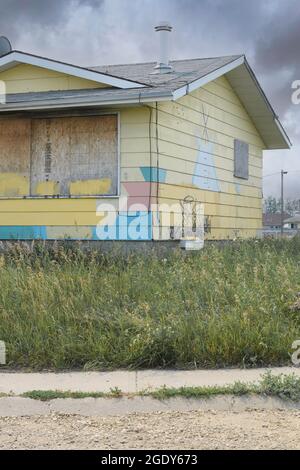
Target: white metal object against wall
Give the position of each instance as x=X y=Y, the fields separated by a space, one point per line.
x=192 y=245
x=2 y=353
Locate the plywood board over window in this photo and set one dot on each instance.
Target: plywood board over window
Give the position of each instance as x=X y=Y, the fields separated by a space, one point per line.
x=14 y=157
x=69 y=156
x=74 y=156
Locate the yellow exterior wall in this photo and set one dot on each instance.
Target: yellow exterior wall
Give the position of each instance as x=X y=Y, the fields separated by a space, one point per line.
x=211 y=116
x=71 y=212
x=25 y=78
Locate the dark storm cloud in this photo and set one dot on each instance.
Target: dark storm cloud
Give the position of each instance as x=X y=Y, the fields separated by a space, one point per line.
x=277 y=52
x=278 y=45
x=17 y=16
x=92 y=32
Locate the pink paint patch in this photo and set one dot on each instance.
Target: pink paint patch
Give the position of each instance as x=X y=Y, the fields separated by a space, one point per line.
x=139 y=193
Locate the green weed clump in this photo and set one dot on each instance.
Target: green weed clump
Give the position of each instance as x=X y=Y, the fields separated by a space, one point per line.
x=62 y=307
x=47 y=395
x=283 y=386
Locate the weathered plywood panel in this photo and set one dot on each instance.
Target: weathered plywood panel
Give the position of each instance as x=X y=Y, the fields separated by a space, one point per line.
x=14 y=157
x=74 y=156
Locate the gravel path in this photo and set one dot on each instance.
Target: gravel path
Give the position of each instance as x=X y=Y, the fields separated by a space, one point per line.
x=161 y=430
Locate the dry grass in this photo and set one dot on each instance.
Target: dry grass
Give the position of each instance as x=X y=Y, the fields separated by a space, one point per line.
x=63 y=308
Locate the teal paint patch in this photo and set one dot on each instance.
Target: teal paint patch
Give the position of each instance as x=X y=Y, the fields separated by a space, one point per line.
x=154 y=175
x=22 y=232
x=133 y=226
x=205 y=175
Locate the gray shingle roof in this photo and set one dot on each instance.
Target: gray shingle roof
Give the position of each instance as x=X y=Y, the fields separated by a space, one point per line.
x=170 y=86
x=274 y=219
x=293 y=220
x=184 y=71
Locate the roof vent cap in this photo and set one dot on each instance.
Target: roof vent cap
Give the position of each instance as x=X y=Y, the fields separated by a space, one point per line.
x=163 y=66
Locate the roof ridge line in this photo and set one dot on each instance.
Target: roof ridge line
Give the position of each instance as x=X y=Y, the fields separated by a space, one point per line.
x=171 y=61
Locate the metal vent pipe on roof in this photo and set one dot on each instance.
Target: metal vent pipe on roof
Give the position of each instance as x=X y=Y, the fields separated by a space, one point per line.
x=163 y=66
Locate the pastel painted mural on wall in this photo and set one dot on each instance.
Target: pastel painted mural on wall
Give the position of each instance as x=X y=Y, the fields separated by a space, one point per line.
x=130 y=226
x=23 y=232
x=134 y=220
x=131 y=223
x=237 y=188
x=154 y=174
x=139 y=192
x=134 y=223
x=205 y=175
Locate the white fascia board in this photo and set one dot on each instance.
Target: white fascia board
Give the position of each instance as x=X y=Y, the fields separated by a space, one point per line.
x=188 y=88
x=58 y=104
x=14 y=58
x=283 y=133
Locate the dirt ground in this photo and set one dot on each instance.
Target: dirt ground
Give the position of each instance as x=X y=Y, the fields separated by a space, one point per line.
x=162 y=430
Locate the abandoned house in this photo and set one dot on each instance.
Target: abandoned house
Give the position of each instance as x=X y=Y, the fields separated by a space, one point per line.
x=77 y=142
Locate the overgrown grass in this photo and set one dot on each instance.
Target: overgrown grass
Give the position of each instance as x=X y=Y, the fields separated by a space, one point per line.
x=61 y=307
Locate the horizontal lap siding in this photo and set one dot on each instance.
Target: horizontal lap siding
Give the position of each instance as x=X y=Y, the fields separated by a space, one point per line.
x=233 y=210
x=210 y=118
x=25 y=78
x=83 y=211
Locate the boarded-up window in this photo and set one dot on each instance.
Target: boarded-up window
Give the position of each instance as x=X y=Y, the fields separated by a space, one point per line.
x=14 y=157
x=72 y=156
x=241 y=159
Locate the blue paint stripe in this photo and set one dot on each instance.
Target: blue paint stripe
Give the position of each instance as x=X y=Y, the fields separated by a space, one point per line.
x=127 y=227
x=154 y=175
x=21 y=232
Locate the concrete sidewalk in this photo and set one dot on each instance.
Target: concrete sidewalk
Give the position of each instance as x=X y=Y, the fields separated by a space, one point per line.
x=18 y=406
x=129 y=381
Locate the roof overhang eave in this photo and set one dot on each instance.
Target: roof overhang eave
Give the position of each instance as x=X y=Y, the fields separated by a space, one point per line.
x=280 y=139
x=190 y=87
x=17 y=57
x=138 y=99
x=283 y=133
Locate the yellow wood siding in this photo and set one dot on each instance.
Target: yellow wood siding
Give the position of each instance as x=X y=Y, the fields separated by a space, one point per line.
x=82 y=212
x=25 y=78
x=212 y=117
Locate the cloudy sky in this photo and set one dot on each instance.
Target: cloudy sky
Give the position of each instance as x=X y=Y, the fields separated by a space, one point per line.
x=94 y=32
